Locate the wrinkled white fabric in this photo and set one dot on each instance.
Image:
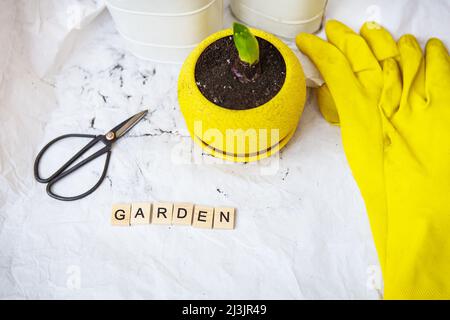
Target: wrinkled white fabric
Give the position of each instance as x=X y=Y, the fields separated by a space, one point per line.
x=301 y=231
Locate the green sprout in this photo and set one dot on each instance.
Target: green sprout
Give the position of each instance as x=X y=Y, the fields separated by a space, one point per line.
x=246 y=44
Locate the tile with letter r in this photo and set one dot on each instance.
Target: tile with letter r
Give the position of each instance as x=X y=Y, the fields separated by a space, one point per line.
x=162 y=213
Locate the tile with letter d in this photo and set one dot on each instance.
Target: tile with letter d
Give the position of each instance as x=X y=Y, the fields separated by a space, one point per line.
x=182 y=213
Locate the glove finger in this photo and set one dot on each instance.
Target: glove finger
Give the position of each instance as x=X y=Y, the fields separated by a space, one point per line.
x=437 y=69
x=392 y=89
x=357 y=51
x=326 y=104
x=333 y=66
x=380 y=41
x=413 y=69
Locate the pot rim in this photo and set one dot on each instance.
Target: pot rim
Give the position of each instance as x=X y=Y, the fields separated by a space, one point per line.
x=151 y=44
x=163 y=14
x=281 y=21
x=259 y=155
x=277 y=43
x=263 y=38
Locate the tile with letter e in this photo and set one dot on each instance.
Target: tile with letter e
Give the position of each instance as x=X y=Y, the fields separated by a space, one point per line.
x=203 y=217
x=121 y=214
x=224 y=218
x=162 y=213
x=182 y=213
x=140 y=213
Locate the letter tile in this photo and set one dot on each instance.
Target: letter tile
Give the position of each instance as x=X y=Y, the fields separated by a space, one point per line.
x=162 y=213
x=121 y=214
x=203 y=217
x=140 y=213
x=224 y=218
x=182 y=213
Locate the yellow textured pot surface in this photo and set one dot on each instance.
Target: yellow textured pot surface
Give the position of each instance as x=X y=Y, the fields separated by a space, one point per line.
x=272 y=124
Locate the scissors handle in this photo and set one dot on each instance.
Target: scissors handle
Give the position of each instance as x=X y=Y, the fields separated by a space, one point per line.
x=63 y=172
x=107 y=150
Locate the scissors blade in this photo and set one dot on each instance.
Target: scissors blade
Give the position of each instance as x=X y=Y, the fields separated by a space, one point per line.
x=125 y=126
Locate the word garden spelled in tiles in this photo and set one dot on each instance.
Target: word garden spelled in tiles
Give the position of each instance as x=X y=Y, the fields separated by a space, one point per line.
x=177 y=214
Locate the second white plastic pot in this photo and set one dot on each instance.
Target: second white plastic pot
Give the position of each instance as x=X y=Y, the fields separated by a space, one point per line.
x=285 y=18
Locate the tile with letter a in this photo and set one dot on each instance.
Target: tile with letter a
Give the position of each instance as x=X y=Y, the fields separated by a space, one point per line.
x=224 y=218
x=121 y=214
x=140 y=213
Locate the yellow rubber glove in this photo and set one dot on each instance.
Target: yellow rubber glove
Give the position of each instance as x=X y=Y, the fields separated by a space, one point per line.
x=326 y=104
x=395 y=122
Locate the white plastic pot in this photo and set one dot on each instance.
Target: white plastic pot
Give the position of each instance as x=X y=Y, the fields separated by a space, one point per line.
x=285 y=18
x=165 y=30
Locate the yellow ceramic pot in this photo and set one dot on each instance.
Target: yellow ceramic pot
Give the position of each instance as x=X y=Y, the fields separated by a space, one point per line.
x=243 y=135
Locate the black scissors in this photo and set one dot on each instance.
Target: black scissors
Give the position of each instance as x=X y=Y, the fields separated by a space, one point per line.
x=108 y=139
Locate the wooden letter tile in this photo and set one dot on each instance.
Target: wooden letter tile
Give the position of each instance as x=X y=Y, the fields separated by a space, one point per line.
x=224 y=218
x=140 y=213
x=121 y=214
x=162 y=213
x=203 y=217
x=182 y=213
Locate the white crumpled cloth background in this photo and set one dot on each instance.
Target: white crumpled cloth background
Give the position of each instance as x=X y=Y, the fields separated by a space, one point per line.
x=301 y=231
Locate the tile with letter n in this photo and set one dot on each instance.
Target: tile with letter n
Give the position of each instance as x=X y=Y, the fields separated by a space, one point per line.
x=121 y=214
x=224 y=218
x=203 y=217
x=182 y=214
x=140 y=213
x=162 y=213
